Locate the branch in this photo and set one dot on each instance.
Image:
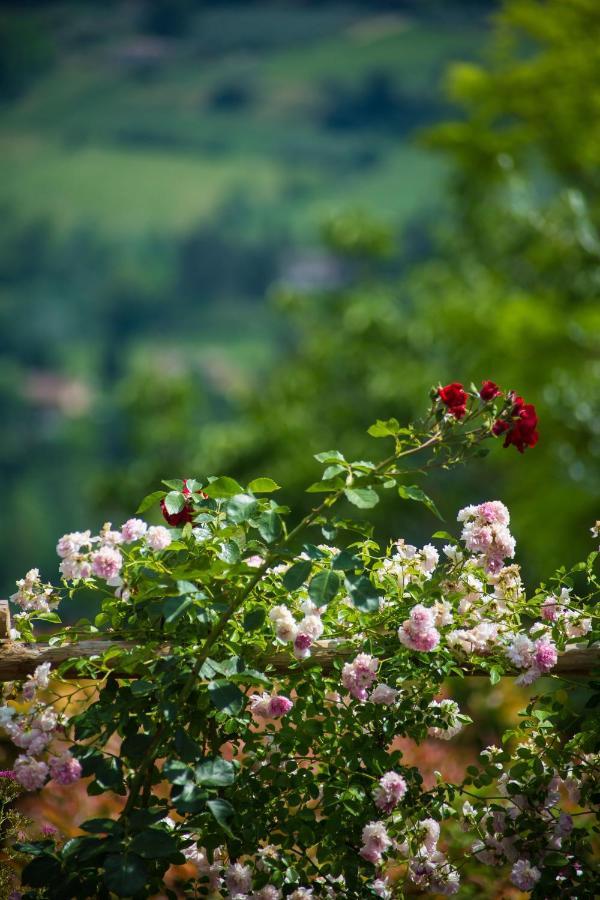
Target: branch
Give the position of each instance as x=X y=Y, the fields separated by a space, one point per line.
x=19 y=660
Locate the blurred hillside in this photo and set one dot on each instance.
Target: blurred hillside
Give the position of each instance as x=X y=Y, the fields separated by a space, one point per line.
x=164 y=164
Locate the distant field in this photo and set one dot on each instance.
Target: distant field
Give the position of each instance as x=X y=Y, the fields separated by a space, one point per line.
x=99 y=142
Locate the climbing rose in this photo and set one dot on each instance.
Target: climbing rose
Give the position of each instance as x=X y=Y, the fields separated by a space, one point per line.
x=265 y=706
x=359 y=675
x=454 y=397
x=390 y=791
x=545 y=656
x=31 y=773
x=65 y=769
x=375 y=842
x=384 y=695
x=418 y=632
x=488 y=391
x=158 y=537
x=524 y=875
x=107 y=562
x=520 y=430
x=133 y=530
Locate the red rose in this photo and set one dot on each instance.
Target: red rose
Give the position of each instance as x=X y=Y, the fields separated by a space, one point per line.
x=521 y=431
x=488 y=391
x=186 y=513
x=455 y=398
x=499 y=427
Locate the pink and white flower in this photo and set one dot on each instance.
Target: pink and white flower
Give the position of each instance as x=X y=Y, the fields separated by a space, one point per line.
x=158 y=537
x=390 y=791
x=133 y=530
x=359 y=675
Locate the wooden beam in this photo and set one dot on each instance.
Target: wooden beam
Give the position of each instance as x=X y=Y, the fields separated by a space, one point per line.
x=18 y=660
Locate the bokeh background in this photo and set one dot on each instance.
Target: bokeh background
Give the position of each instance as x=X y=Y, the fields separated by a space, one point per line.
x=235 y=234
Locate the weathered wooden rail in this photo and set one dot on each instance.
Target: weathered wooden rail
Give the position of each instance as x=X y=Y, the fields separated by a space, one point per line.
x=18 y=660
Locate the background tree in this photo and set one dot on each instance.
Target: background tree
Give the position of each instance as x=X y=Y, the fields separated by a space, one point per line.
x=512 y=282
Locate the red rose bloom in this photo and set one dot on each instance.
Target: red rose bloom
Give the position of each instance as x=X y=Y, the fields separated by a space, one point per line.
x=186 y=513
x=488 y=391
x=521 y=431
x=455 y=398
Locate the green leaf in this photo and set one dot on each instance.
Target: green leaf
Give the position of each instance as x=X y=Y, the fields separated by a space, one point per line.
x=495 y=674
x=177 y=772
x=125 y=874
x=297 y=575
x=269 y=526
x=330 y=456
x=101 y=826
x=152 y=843
x=174 y=484
x=141 y=688
x=254 y=618
x=323 y=587
x=186 y=587
x=188 y=749
x=41 y=872
x=326 y=486
x=384 y=428
x=362 y=593
x=413 y=492
x=241 y=508
x=332 y=471
x=223 y=487
x=216 y=772
x=149 y=500
x=263 y=486
x=364 y=498
x=174 y=607
x=230 y=552
x=222 y=811
x=174 y=502
x=226 y=696
x=46 y=616
x=345 y=561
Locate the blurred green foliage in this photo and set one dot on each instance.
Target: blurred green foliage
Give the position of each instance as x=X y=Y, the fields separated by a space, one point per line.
x=154 y=192
x=510 y=292
x=163 y=164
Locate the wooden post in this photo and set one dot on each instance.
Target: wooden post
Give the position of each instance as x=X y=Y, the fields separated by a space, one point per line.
x=4 y=620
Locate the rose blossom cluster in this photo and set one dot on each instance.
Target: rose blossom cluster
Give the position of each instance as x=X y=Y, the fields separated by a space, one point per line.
x=389 y=792
x=83 y=555
x=301 y=634
x=538 y=657
x=408 y=564
x=419 y=631
x=33 y=732
x=33 y=596
x=236 y=878
x=375 y=842
x=557 y=610
x=518 y=425
x=455 y=398
x=429 y=869
x=269 y=706
x=359 y=675
x=485 y=533
x=503 y=840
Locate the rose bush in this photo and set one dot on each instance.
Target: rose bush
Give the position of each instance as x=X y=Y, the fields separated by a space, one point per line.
x=258 y=675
